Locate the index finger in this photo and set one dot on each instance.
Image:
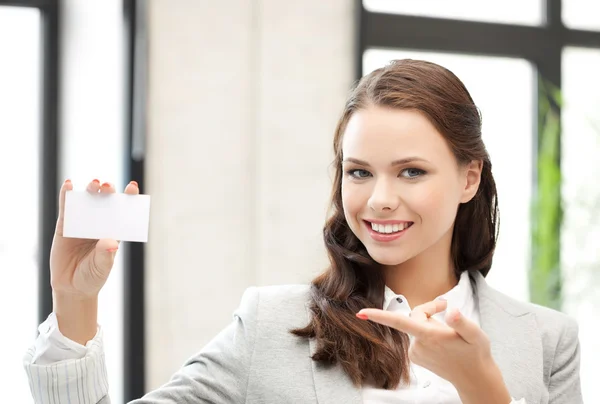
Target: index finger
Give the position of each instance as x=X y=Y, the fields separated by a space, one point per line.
x=398 y=321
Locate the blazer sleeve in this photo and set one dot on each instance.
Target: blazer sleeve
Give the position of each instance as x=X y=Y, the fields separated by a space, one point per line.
x=565 y=384
x=219 y=373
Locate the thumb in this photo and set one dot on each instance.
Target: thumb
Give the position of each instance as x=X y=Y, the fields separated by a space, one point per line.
x=104 y=255
x=467 y=329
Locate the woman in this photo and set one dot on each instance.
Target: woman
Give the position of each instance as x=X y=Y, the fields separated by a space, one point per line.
x=402 y=315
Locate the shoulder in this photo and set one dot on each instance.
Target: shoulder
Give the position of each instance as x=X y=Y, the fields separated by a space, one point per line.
x=276 y=306
x=277 y=297
x=556 y=328
x=549 y=320
x=287 y=295
x=559 y=331
x=553 y=319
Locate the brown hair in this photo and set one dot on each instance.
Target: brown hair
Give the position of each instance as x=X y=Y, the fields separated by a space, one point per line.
x=368 y=351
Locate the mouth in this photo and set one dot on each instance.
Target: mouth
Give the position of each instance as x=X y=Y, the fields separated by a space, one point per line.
x=387 y=231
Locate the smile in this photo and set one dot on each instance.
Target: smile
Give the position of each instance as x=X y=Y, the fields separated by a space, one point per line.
x=387 y=231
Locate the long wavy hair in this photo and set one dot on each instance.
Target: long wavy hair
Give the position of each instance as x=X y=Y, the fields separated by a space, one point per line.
x=367 y=351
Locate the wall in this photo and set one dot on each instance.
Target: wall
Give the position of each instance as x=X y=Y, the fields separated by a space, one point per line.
x=243 y=100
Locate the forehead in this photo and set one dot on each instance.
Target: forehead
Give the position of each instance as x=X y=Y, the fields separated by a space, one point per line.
x=378 y=132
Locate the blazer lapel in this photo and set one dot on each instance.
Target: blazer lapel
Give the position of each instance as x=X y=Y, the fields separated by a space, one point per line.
x=512 y=331
x=332 y=384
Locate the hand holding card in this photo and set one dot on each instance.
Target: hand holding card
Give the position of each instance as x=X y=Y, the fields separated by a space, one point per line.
x=84 y=247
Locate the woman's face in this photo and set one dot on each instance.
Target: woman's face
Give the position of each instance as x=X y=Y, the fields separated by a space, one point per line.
x=401 y=184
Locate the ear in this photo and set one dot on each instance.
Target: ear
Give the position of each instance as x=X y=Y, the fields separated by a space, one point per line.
x=472 y=177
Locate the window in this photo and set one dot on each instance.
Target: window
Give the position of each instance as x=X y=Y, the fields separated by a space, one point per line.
x=93 y=86
x=581 y=195
x=93 y=140
x=20 y=74
x=581 y=14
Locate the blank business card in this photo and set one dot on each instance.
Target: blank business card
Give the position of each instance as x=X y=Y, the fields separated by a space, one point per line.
x=118 y=216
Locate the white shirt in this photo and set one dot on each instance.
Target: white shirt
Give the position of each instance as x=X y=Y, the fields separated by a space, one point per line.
x=53 y=348
x=56 y=376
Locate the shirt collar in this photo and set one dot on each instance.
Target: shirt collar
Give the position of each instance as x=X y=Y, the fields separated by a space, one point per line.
x=458 y=297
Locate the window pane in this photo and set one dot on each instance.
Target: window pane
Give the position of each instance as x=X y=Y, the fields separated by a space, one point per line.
x=19 y=208
x=93 y=136
x=502 y=88
x=580 y=254
x=581 y=14
x=530 y=12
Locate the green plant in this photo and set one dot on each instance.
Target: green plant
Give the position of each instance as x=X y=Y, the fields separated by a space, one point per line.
x=545 y=280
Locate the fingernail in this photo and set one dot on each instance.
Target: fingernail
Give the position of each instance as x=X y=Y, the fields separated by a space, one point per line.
x=96 y=181
x=362 y=316
x=68 y=181
x=106 y=184
x=134 y=183
x=111 y=250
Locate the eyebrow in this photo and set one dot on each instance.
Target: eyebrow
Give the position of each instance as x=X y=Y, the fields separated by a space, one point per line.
x=394 y=163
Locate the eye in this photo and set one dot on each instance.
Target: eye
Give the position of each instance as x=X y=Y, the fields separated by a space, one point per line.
x=358 y=173
x=412 y=173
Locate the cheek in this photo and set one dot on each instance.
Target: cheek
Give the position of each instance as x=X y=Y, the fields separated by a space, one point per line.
x=437 y=205
x=352 y=200
x=347 y=198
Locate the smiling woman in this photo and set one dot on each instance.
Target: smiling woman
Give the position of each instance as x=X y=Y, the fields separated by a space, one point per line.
x=413 y=133
x=402 y=314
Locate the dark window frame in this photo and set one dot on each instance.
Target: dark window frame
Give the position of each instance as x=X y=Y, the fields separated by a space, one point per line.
x=542 y=45
x=134 y=301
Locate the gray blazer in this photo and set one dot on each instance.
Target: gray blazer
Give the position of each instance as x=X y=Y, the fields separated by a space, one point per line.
x=256 y=360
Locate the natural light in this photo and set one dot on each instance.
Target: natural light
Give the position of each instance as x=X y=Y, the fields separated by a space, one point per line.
x=19 y=208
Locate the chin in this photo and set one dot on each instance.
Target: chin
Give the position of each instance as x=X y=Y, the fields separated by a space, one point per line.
x=388 y=258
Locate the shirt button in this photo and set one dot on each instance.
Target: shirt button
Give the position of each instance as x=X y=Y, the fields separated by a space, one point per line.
x=426 y=384
x=399 y=300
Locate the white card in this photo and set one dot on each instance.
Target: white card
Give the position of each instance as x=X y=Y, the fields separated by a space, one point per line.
x=118 y=216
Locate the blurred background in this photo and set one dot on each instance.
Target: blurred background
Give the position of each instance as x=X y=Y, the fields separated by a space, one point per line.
x=224 y=112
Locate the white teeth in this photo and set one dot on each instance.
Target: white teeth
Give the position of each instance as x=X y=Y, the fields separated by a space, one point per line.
x=389 y=228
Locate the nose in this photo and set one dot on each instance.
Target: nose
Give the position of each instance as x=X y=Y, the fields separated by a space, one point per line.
x=384 y=197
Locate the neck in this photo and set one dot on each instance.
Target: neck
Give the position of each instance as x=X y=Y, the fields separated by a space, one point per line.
x=424 y=277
